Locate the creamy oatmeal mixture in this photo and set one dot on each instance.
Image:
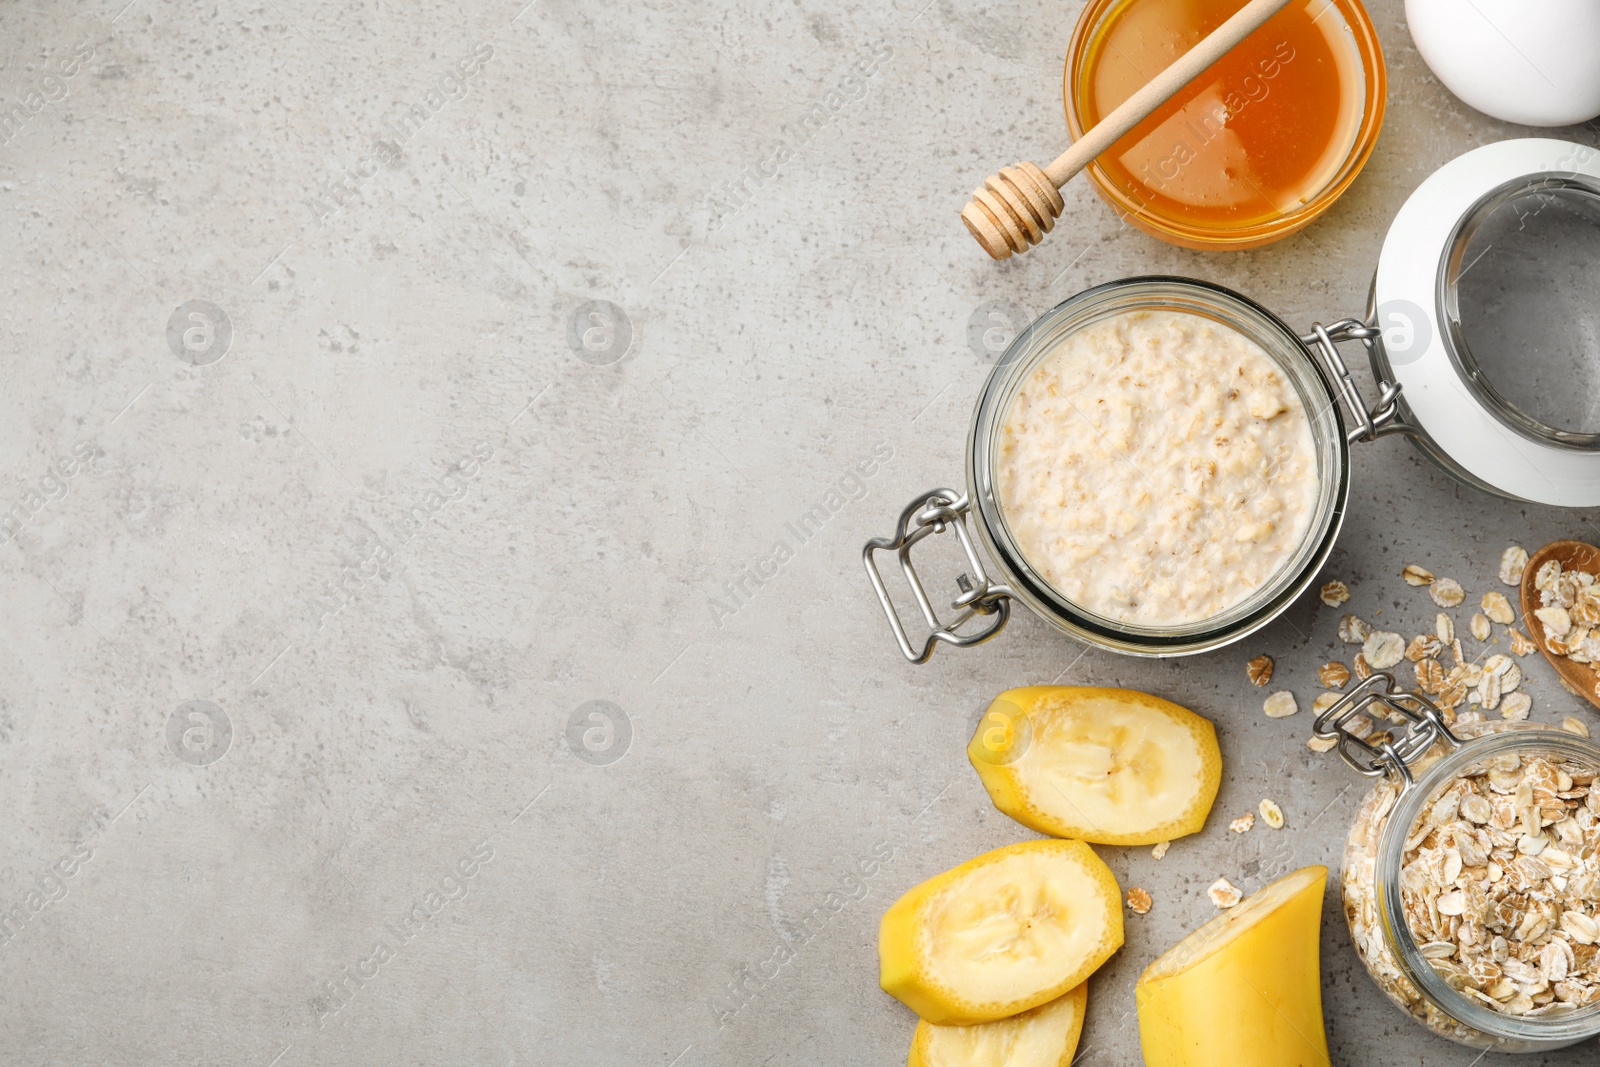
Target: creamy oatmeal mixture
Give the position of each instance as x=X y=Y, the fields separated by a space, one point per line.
x=1157 y=468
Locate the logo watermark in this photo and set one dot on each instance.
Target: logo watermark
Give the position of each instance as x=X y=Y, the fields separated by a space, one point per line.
x=600 y=333
x=453 y=84
x=1407 y=331
x=993 y=330
x=199 y=332
x=51 y=88
x=52 y=487
x=336 y=993
x=599 y=733
x=849 y=488
x=199 y=732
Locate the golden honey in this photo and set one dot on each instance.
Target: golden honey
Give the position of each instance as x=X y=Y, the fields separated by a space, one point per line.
x=1254 y=148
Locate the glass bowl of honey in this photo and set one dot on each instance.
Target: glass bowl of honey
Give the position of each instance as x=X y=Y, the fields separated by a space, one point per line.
x=1252 y=150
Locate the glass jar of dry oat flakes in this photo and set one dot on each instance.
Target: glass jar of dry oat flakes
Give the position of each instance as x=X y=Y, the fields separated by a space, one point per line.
x=1471 y=877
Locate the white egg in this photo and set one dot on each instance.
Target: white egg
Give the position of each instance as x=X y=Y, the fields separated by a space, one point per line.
x=1537 y=64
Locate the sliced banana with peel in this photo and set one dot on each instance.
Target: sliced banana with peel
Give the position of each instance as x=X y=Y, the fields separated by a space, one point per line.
x=1245 y=989
x=1005 y=932
x=1046 y=1036
x=1112 y=766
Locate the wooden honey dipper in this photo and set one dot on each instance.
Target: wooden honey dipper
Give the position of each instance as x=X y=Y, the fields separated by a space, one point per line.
x=1017 y=207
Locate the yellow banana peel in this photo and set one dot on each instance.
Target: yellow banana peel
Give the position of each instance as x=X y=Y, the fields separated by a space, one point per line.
x=1245 y=989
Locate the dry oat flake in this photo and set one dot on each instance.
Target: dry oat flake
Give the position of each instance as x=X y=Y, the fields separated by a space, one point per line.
x=1383 y=649
x=1271 y=814
x=1224 y=894
x=1513 y=561
x=1280 y=705
x=1446 y=592
x=1416 y=575
x=1352 y=630
x=1243 y=823
x=1259 y=670
x=1423 y=646
x=1333 y=675
x=1334 y=593
x=1570 y=613
x=1498 y=608
x=1139 y=901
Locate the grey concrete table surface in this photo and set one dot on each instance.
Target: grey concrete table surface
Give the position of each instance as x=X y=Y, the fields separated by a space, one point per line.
x=415 y=646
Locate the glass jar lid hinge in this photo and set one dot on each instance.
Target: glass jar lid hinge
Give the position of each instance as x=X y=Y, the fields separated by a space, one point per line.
x=1375 y=700
x=937 y=512
x=1384 y=416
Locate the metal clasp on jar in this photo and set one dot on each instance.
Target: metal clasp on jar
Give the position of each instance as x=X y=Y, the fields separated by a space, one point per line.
x=932 y=513
x=1384 y=416
x=1377 y=698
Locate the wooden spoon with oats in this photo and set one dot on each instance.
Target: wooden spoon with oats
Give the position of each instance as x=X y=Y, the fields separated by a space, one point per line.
x=1573 y=556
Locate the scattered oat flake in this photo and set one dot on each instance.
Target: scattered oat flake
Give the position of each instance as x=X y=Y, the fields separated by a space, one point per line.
x=1139 y=901
x=1334 y=675
x=1520 y=645
x=1423 y=646
x=1415 y=575
x=1360 y=668
x=1430 y=676
x=1271 y=814
x=1383 y=649
x=1334 y=593
x=1573 y=725
x=1443 y=628
x=1160 y=849
x=1447 y=592
x=1514 y=707
x=1280 y=705
x=1243 y=823
x=1324 y=701
x=1352 y=630
x=1479 y=627
x=1224 y=894
x=1513 y=561
x=1321 y=744
x=1259 y=670
x=1498 y=608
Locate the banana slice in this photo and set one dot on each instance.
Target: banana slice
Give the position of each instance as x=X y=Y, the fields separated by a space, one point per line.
x=1112 y=766
x=1245 y=989
x=1002 y=933
x=1046 y=1036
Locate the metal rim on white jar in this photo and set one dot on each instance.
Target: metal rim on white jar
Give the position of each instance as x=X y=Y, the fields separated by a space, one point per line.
x=1421 y=728
x=1312 y=365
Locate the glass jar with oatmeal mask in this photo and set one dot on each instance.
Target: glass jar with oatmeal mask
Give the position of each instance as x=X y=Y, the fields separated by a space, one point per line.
x=1471 y=880
x=1159 y=466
